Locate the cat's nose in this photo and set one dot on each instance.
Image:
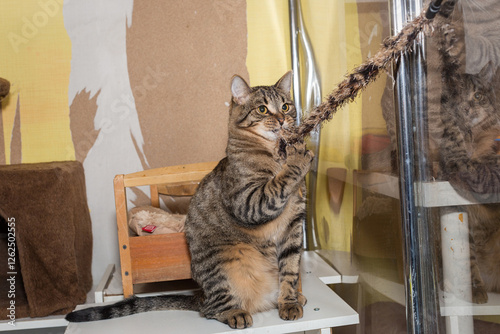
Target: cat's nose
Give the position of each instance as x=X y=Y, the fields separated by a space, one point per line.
x=281 y=120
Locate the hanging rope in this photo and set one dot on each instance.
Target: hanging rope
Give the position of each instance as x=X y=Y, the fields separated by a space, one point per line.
x=366 y=73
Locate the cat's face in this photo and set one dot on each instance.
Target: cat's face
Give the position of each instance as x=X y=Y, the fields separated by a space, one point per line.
x=479 y=103
x=264 y=111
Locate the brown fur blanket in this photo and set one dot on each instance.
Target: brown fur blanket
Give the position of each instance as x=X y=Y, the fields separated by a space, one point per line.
x=53 y=236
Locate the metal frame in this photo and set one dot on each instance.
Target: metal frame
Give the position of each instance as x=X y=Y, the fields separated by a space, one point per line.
x=410 y=88
x=299 y=41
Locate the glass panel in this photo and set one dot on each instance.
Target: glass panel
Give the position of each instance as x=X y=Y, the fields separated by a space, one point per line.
x=407 y=185
x=356 y=211
x=462 y=161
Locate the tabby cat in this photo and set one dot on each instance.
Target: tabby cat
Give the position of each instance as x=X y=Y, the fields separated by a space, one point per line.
x=244 y=224
x=469 y=158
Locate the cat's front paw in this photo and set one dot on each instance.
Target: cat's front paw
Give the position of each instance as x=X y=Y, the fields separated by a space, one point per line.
x=479 y=295
x=453 y=44
x=299 y=156
x=238 y=319
x=290 y=311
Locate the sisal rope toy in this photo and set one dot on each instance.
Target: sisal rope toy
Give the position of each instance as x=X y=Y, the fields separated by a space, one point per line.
x=367 y=72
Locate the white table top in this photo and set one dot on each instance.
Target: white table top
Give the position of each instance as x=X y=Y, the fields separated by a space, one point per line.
x=324 y=309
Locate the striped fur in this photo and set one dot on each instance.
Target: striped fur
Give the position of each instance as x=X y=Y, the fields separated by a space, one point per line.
x=135 y=305
x=244 y=224
x=468 y=154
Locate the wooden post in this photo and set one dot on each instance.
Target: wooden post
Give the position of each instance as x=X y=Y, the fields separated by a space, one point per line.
x=155 y=198
x=123 y=237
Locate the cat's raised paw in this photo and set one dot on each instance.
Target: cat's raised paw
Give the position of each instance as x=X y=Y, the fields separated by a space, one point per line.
x=239 y=319
x=298 y=155
x=290 y=311
x=479 y=295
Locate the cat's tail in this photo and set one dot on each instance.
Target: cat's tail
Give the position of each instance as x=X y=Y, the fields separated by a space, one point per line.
x=136 y=305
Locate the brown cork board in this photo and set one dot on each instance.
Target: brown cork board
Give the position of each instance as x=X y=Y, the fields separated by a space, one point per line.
x=181 y=57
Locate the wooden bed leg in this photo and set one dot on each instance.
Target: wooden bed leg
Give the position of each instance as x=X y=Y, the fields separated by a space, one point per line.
x=123 y=237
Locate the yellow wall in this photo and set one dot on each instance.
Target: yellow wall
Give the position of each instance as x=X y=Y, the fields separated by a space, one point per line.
x=332 y=27
x=36 y=58
x=268 y=41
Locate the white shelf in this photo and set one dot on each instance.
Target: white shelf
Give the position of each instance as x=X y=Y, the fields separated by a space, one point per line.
x=313 y=263
x=430 y=194
x=392 y=290
x=31 y=323
x=324 y=309
x=449 y=304
x=45 y=322
x=452 y=306
x=344 y=263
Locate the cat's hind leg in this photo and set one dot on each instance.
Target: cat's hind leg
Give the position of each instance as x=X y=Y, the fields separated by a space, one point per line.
x=246 y=282
x=220 y=304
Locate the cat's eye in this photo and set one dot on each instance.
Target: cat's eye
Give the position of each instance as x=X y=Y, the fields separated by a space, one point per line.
x=478 y=97
x=263 y=110
x=285 y=107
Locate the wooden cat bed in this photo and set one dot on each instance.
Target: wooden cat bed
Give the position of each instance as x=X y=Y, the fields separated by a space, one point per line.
x=155 y=258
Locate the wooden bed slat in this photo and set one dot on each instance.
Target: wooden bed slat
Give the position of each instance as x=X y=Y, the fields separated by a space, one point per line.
x=172 y=174
x=163 y=257
x=178 y=189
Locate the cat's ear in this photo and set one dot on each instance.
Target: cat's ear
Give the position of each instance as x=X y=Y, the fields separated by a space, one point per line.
x=240 y=89
x=285 y=83
x=487 y=72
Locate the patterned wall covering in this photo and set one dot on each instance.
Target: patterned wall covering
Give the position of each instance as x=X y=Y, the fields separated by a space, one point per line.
x=125 y=85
